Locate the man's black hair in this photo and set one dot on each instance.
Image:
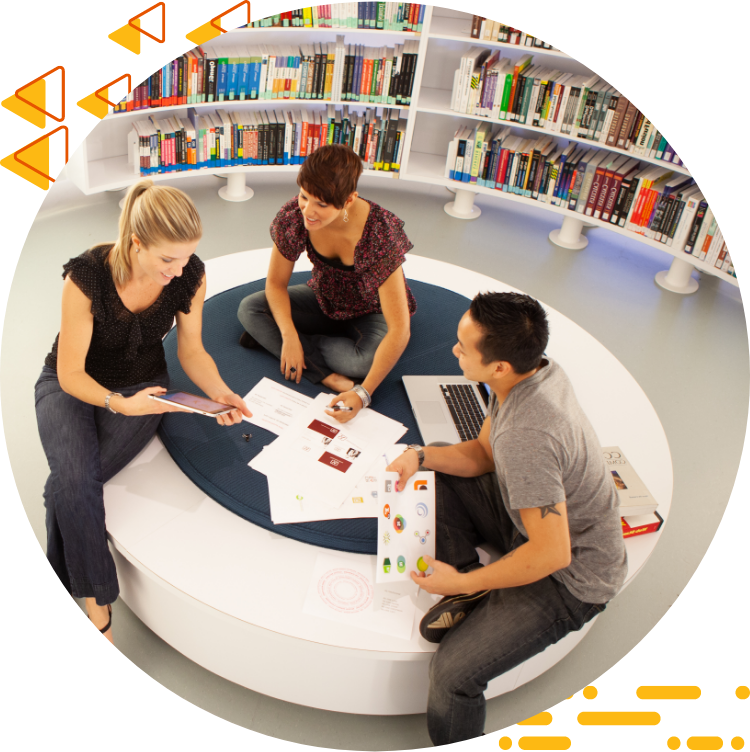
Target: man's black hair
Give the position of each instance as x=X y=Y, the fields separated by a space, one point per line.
x=514 y=329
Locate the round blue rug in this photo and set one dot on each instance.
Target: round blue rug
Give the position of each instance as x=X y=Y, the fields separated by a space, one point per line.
x=215 y=458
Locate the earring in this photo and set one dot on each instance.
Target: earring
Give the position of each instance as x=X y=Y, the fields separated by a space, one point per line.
x=346 y=216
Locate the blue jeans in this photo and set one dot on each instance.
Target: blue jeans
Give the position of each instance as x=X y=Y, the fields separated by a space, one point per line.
x=507 y=628
x=85 y=446
x=330 y=346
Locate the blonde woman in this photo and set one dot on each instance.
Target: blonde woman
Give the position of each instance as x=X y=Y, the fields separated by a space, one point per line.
x=93 y=398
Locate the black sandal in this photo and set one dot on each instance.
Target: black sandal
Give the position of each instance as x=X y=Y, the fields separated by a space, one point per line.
x=109 y=623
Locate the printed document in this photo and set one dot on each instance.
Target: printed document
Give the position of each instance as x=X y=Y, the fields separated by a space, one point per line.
x=361 y=501
x=274 y=406
x=406 y=526
x=323 y=459
x=343 y=589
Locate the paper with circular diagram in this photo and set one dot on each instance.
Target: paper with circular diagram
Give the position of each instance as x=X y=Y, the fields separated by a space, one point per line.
x=343 y=589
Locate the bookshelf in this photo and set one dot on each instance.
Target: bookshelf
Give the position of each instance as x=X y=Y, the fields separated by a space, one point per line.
x=101 y=163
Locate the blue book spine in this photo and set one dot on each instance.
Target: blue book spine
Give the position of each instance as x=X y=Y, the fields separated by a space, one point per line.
x=221 y=82
x=254 y=76
x=421 y=16
x=243 y=80
x=232 y=79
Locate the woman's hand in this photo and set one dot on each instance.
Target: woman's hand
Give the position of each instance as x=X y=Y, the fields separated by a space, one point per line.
x=350 y=399
x=229 y=419
x=292 y=359
x=142 y=404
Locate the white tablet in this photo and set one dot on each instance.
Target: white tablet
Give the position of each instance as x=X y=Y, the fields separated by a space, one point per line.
x=194 y=403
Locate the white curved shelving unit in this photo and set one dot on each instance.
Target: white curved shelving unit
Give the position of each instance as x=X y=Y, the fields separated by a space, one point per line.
x=101 y=163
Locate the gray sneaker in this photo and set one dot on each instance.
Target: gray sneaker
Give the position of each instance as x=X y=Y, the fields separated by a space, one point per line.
x=447 y=613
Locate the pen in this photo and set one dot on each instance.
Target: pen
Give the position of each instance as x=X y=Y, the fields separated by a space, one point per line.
x=342 y=409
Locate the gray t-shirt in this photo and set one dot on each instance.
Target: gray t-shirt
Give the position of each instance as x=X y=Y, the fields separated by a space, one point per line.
x=546 y=452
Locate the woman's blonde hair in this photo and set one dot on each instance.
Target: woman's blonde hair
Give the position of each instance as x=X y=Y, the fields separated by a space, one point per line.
x=154 y=214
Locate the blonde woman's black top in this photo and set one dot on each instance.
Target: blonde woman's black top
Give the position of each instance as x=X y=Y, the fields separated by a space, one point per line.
x=126 y=348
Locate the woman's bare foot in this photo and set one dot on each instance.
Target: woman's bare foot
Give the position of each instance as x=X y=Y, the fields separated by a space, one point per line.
x=338 y=383
x=99 y=616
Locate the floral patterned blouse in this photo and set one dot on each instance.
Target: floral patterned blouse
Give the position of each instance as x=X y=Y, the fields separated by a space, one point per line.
x=347 y=292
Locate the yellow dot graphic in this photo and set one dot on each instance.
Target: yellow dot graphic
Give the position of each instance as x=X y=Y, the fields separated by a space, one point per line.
x=705 y=742
x=624 y=718
x=590 y=693
x=544 y=742
x=540 y=719
x=743 y=693
x=505 y=743
x=673 y=742
x=668 y=693
x=738 y=742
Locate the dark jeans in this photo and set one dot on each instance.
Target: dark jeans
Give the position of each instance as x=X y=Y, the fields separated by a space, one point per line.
x=507 y=628
x=85 y=446
x=330 y=346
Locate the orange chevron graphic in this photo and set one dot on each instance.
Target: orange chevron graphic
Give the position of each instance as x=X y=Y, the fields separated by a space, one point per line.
x=62 y=93
x=35 y=166
x=36 y=141
x=137 y=27
x=212 y=29
x=97 y=102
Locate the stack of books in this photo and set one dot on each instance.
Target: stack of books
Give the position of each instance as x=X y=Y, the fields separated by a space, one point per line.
x=650 y=200
x=493 y=31
x=333 y=71
x=228 y=139
x=369 y=15
x=637 y=506
x=583 y=106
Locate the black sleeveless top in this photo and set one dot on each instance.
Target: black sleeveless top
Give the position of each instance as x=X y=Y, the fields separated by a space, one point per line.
x=126 y=348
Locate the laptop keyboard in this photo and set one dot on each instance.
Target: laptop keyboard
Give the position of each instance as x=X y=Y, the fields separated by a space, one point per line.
x=464 y=407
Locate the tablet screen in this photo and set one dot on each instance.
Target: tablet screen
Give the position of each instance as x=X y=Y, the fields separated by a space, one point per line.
x=198 y=403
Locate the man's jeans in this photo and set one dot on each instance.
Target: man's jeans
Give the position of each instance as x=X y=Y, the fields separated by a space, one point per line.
x=85 y=446
x=330 y=346
x=507 y=628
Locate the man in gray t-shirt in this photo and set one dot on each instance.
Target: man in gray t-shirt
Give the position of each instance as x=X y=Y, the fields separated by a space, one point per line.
x=535 y=486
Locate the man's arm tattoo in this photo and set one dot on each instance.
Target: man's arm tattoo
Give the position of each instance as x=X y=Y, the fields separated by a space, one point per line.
x=509 y=554
x=549 y=510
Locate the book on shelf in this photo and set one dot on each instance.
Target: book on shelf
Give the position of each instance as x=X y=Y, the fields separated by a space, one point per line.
x=641 y=524
x=329 y=71
x=635 y=499
x=222 y=138
x=368 y=15
x=492 y=31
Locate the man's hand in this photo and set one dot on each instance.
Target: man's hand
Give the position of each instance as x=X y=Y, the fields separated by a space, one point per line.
x=405 y=465
x=350 y=399
x=444 y=580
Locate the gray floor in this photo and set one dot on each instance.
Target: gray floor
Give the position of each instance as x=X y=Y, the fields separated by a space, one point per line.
x=689 y=355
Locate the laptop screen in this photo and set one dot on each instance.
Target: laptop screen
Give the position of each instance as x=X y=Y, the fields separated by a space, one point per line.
x=484 y=390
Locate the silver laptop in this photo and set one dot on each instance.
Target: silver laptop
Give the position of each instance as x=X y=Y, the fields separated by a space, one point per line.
x=447 y=408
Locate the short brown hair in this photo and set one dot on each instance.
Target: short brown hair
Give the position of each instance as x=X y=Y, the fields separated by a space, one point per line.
x=331 y=173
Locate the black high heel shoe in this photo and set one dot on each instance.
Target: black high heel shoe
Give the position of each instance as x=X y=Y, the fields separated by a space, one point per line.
x=109 y=623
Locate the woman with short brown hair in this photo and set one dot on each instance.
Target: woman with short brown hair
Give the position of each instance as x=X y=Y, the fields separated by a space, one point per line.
x=351 y=322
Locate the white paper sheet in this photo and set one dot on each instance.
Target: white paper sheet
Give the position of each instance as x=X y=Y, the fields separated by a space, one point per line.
x=362 y=501
x=327 y=459
x=275 y=406
x=343 y=589
x=406 y=526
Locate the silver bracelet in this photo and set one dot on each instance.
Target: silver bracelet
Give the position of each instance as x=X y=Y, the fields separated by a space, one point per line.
x=107 y=399
x=363 y=394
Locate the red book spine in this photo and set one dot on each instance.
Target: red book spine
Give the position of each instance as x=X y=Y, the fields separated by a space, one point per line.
x=594 y=193
x=604 y=190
